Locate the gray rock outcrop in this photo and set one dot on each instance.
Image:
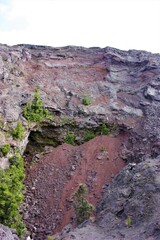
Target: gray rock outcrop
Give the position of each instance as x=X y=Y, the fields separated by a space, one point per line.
x=130 y=208
x=7 y=234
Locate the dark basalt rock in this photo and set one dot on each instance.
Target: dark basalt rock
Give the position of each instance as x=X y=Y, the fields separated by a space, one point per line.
x=135 y=194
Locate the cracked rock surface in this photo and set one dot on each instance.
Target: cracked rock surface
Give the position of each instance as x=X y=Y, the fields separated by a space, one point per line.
x=124 y=89
x=7 y=234
x=133 y=193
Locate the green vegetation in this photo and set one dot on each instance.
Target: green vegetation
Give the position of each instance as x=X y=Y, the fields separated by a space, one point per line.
x=11 y=196
x=82 y=207
x=86 y=100
x=104 y=129
x=1 y=123
x=66 y=120
x=5 y=149
x=129 y=221
x=34 y=111
x=70 y=138
x=50 y=237
x=114 y=126
x=18 y=132
x=89 y=135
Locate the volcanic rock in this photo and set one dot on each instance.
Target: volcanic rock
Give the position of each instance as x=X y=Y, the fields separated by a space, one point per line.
x=124 y=92
x=7 y=234
x=134 y=194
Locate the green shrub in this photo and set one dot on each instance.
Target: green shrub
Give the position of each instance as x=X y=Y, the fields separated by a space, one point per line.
x=82 y=207
x=86 y=100
x=11 y=196
x=34 y=110
x=5 y=149
x=18 y=132
x=104 y=129
x=89 y=135
x=70 y=138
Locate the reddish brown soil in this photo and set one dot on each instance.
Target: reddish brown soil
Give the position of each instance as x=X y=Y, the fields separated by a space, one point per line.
x=52 y=180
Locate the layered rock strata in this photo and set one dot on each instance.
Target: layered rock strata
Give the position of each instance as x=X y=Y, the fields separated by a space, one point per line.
x=123 y=92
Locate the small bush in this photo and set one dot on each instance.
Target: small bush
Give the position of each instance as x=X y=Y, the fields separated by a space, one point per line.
x=18 y=132
x=5 y=149
x=82 y=207
x=11 y=196
x=34 y=110
x=86 y=100
x=89 y=135
x=104 y=129
x=70 y=138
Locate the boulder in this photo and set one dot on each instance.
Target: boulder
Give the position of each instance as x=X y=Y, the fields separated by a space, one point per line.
x=7 y=234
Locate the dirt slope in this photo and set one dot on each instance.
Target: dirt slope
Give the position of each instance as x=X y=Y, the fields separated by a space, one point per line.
x=134 y=194
x=56 y=175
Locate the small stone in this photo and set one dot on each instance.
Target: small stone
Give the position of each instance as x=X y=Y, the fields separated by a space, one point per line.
x=100 y=157
x=73 y=167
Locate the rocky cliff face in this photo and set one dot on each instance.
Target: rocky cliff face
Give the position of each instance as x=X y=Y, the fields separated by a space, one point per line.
x=129 y=209
x=123 y=93
x=123 y=86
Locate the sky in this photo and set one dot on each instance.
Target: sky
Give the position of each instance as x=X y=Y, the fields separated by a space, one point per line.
x=122 y=24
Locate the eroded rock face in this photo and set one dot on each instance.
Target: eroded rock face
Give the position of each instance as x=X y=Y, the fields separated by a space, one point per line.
x=124 y=89
x=134 y=194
